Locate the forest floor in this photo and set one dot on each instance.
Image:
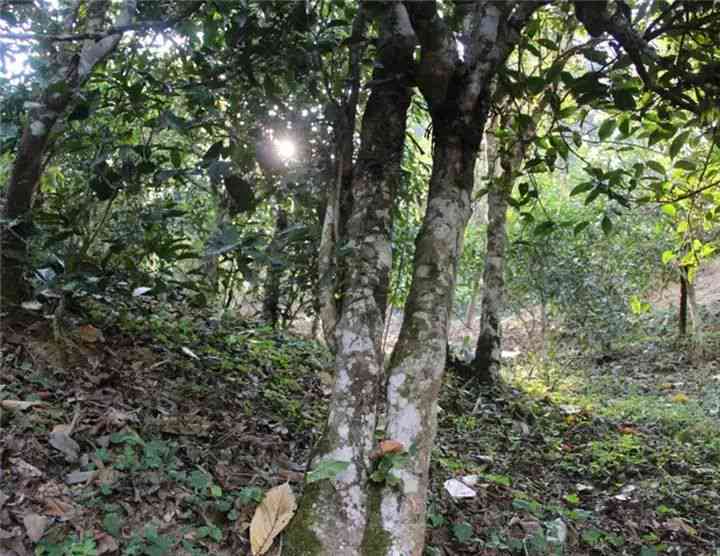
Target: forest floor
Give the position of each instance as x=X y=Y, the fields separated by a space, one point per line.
x=138 y=427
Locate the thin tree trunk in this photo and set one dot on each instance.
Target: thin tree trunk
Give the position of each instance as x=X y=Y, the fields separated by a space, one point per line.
x=683 y=310
x=488 y=353
x=333 y=515
x=271 y=302
x=472 y=306
x=489 y=345
x=338 y=202
x=694 y=310
x=418 y=362
x=24 y=181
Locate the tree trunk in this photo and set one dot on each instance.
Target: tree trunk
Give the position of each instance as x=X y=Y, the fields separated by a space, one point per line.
x=271 y=302
x=694 y=310
x=338 y=208
x=683 y=310
x=333 y=514
x=489 y=345
x=472 y=306
x=418 y=362
x=24 y=181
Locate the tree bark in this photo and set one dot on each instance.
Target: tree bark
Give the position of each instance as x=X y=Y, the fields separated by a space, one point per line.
x=683 y=310
x=271 y=302
x=333 y=514
x=338 y=208
x=418 y=362
x=488 y=352
x=24 y=181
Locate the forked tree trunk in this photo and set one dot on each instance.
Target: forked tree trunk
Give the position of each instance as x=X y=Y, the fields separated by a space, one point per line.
x=333 y=515
x=75 y=68
x=418 y=362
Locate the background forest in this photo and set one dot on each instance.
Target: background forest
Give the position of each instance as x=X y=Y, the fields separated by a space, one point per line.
x=445 y=269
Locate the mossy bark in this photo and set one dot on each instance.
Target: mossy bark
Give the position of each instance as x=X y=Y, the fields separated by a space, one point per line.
x=334 y=513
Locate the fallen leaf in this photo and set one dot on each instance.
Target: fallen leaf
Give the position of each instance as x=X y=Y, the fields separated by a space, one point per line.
x=35 y=526
x=271 y=517
x=390 y=447
x=680 y=398
x=63 y=443
x=677 y=524
x=458 y=489
x=31 y=306
x=189 y=352
x=57 y=507
x=90 y=334
x=77 y=477
x=25 y=469
x=105 y=543
x=17 y=405
x=387 y=447
x=557 y=531
x=142 y=290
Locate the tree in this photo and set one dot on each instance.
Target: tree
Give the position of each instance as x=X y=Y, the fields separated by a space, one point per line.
x=332 y=518
x=461 y=53
x=71 y=69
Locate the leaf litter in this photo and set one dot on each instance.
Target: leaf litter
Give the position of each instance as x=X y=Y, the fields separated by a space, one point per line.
x=130 y=443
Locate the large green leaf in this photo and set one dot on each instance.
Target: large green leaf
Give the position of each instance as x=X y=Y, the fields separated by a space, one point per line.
x=678 y=143
x=607 y=128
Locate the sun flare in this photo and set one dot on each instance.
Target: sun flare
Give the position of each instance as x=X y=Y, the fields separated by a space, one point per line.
x=285 y=148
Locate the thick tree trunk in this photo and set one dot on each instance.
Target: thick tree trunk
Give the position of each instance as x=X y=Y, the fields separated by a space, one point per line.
x=489 y=345
x=27 y=169
x=418 y=362
x=333 y=514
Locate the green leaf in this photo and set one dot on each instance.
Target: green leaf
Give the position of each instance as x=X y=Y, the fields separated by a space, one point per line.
x=678 y=143
x=606 y=225
x=655 y=165
x=607 y=128
x=686 y=164
x=667 y=256
x=582 y=188
x=670 y=210
x=544 y=228
x=113 y=523
x=462 y=531
x=592 y=536
x=624 y=99
x=624 y=127
x=535 y=84
x=328 y=469
x=580 y=227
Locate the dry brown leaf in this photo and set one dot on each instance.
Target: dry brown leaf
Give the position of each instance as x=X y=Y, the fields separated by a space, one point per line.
x=387 y=447
x=271 y=517
x=64 y=443
x=90 y=334
x=105 y=543
x=57 y=507
x=17 y=405
x=391 y=447
x=35 y=526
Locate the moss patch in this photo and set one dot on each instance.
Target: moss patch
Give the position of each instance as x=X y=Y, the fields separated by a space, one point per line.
x=376 y=539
